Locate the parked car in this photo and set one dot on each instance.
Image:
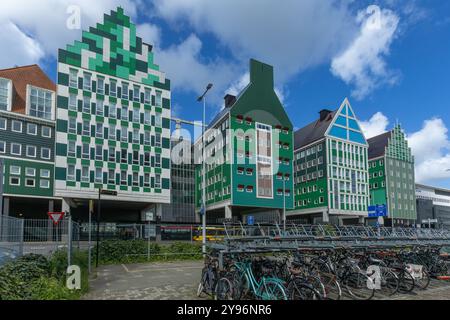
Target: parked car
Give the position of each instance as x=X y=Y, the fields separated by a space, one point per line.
x=7 y=254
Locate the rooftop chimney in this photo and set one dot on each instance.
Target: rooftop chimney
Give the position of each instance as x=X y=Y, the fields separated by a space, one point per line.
x=324 y=114
x=229 y=100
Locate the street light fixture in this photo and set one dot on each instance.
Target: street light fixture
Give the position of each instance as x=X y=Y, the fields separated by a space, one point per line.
x=203 y=209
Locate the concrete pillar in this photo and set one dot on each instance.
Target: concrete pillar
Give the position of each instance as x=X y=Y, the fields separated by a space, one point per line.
x=65 y=206
x=228 y=212
x=325 y=217
x=6 y=208
x=361 y=220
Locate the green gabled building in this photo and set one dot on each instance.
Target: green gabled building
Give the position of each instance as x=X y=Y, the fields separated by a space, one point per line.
x=331 y=169
x=391 y=176
x=249 y=150
x=113 y=120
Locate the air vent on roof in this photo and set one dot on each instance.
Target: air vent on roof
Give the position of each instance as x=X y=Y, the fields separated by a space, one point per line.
x=324 y=114
x=229 y=100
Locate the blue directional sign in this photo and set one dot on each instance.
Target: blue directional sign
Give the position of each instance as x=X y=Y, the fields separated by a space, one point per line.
x=202 y=211
x=250 y=220
x=378 y=211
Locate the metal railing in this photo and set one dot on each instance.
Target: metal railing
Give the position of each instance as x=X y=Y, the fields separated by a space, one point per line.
x=11 y=235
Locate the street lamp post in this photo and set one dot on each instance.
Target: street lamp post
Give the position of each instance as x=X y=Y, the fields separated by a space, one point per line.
x=203 y=210
x=284 y=204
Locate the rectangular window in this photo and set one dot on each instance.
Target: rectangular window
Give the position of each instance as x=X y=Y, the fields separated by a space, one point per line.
x=30 y=172
x=147 y=159
x=71 y=172
x=124 y=113
x=124 y=134
x=157 y=181
x=99 y=108
x=87 y=79
x=158 y=140
x=100 y=85
x=98 y=175
x=5 y=88
x=112 y=110
x=136 y=94
x=85 y=151
x=124 y=156
x=111 y=176
x=16 y=149
x=85 y=174
x=136 y=136
x=2 y=124
x=45 y=153
x=135 y=179
x=86 y=105
x=264 y=161
x=29 y=182
x=31 y=151
x=99 y=130
x=2 y=147
x=147 y=180
x=71 y=149
x=125 y=91
x=135 y=157
x=123 y=178
x=158 y=99
x=147 y=118
x=44 y=184
x=158 y=120
x=112 y=154
x=73 y=102
x=14 y=181
x=46 y=132
x=72 y=128
x=86 y=128
x=16 y=126
x=32 y=129
x=158 y=160
x=98 y=152
x=112 y=132
x=14 y=170
x=147 y=96
x=73 y=78
x=113 y=88
x=136 y=115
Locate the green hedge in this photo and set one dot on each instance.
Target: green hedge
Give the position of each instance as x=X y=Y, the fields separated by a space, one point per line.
x=34 y=277
x=135 y=251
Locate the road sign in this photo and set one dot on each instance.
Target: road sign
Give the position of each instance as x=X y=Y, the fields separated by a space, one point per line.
x=250 y=220
x=202 y=211
x=378 y=211
x=56 y=217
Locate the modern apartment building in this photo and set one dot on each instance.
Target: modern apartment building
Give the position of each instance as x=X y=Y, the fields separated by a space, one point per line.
x=249 y=150
x=331 y=169
x=433 y=203
x=391 y=176
x=27 y=137
x=113 y=121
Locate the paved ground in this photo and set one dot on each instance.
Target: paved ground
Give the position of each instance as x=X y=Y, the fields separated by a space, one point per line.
x=156 y=281
x=179 y=281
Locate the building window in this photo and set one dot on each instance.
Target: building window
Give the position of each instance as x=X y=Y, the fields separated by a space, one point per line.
x=98 y=175
x=73 y=78
x=147 y=159
x=16 y=149
x=86 y=128
x=16 y=126
x=45 y=173
x=31 y=151
x=112 y=132
x=124 y=113
x=85 y=151
x=158 y=160
x=72 y=128
x=113 y=88
x=30 y=172
x=14 y=181
x=136 y=94
x=2 y=147
x=124 y=156
x=99 y=108
x=73 y=102
x=30 y=183
x=87 y=82
x=86 y=105
x=147 y=96
x=158 y=99
x=45 y=153
x=158 y=120
x=135 y=179
x=136 y=115
x=44 y=184
x=147 y=180
x=112 y=110
x=111 y=176
x=124 y=134
x=147 y=138
x=123 y=178
x=157 y=181
x=264 y=161
x=5 y=94
x=112 y=154
x=100 y=85
x=98 y=152
x=32 y=129
x=71 y=149
x=147 y=119
x=99 y=130
x=71 y=172
x=14 y=170
x=46 y=132
x=136 y=136
x=158 y=140
x=85 y=174
x=125 y=91
x=2 y=124
x=135 y=157
x=41 y=103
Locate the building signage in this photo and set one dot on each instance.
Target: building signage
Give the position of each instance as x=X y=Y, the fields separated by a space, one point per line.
x=378 y=211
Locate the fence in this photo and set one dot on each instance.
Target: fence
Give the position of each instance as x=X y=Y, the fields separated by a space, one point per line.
x=11 y=236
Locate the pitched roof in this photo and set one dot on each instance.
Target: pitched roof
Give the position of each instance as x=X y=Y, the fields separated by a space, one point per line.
x=312 y=132
x=21 y=77
x=378 y=144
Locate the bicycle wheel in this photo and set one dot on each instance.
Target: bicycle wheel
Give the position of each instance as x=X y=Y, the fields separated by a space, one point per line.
x=389 y=282
x=201 y=286
x=297 y=289
x=333 y=289
x=224 y=290
x=317 y=285
x=423 y=282
x=407 y=282
x=356 y=285
x=272 y=290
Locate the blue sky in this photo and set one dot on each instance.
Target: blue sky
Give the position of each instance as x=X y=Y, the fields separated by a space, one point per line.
x=391 y=60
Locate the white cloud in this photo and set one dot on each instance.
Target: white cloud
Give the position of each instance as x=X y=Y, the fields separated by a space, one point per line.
x=150 y=33
x=41 y=26
x=430 y=146
x=291 y=35
x=374 y=126
x=363 y=63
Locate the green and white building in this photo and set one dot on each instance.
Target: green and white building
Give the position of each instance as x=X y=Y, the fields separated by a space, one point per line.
x=113 y=120
x=27 y=137
x=249 y=150
x=391 y=176
x=331 y=169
